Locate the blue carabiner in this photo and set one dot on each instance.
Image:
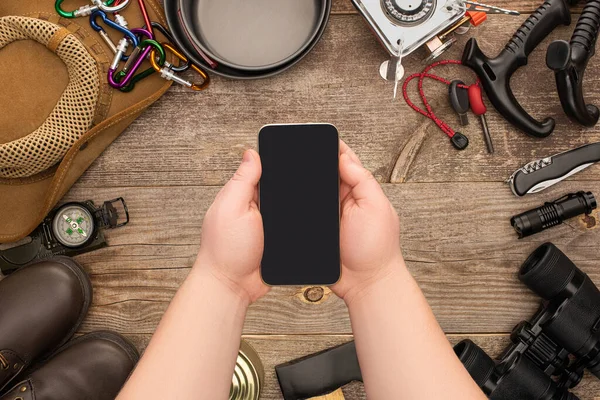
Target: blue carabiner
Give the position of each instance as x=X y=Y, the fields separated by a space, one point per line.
x=128 y=34
x=99 y=13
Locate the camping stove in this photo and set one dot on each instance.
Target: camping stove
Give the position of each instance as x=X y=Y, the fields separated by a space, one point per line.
x=402 y=26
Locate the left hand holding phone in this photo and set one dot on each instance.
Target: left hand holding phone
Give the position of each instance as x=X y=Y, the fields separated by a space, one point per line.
x=232 y=233
x=369 y=232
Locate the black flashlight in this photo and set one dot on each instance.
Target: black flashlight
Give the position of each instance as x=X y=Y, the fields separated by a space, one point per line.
x=554 y=213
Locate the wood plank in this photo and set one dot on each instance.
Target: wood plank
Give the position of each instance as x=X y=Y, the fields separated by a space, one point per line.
x=198 y=138
x=456 y=238
x=523 y=6
x=274 y=350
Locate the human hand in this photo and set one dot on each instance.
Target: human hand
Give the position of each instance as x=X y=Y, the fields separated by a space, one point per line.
x=370 y=229
x=232 y=233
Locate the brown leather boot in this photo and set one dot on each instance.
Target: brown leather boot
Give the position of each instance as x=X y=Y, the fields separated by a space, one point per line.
x=41 y=307
x=91 y=367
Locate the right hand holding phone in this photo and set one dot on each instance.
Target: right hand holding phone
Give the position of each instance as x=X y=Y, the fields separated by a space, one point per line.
x=370 y=229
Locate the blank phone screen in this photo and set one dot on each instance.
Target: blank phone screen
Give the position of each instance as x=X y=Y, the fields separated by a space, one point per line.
x=299 y=203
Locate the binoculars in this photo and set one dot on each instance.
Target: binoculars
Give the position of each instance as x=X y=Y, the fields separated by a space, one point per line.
x=549 y=353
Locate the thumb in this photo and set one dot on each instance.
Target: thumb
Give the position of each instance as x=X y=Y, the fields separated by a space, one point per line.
x=241 y=188
x=363 y=184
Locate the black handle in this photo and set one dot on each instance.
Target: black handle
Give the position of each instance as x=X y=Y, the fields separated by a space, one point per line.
x=495 y=73
x=319 y=373
x=569 y=60
x=561 y=165
x=535 y=28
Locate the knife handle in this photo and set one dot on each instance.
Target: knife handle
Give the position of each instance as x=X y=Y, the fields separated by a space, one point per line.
x=319 y=374
x=561 y=165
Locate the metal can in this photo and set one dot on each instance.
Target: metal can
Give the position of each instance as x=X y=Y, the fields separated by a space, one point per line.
x=248 y=376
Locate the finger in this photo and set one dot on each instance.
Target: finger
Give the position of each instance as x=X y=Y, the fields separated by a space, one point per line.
x=255 y=197
x=240 y=191
x=345 y=190
x=345 y=149
x=363 y=184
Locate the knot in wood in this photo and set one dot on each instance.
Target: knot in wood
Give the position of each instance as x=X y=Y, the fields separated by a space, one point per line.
x=314 y=294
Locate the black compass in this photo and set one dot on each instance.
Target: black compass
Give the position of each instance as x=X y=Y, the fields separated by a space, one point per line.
x=408 y=11
x=72 y=229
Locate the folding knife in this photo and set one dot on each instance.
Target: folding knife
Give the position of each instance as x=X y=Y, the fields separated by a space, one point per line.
x=541 y=174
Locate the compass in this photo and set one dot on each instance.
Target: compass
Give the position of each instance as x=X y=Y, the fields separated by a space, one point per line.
x=73 y=225
x=71 y=229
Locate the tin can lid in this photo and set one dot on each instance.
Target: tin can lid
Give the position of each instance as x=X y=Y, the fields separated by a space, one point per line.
x=248 y=375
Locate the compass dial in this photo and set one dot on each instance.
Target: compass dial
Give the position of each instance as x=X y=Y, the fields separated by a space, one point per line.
x=73 y=225
x=408 y=11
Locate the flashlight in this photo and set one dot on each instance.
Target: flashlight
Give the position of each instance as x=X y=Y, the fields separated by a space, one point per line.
x=554 y=213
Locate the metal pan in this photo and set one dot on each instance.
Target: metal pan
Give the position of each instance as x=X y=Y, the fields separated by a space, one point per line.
x=253 y=35
x=194 y=53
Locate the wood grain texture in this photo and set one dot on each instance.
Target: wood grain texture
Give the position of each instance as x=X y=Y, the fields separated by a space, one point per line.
x=275 y=350
x=523 y=6
x=453 y=205
x=198 y=138
x=456 y=238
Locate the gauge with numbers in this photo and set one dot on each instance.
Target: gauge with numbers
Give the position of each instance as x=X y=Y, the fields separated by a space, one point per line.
x=73 y=225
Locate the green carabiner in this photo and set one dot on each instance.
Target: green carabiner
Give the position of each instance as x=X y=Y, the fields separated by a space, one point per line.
x=131 y=85
x=162 y=57
x=73 y=14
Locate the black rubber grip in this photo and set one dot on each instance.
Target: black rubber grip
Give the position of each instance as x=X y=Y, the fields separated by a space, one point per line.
x=539 y=24
x=586 y=30
x=320 y=373
x=569 y=61
x=495 y=73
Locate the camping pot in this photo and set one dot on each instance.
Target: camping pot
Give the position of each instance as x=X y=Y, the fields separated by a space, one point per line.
x=247 y=40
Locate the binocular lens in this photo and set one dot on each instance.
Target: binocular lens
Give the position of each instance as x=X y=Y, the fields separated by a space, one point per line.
x=547 y=271
x=479 y=365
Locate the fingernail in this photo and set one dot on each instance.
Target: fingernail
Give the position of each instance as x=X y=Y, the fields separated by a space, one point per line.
x=346 y=158
x=247 y=156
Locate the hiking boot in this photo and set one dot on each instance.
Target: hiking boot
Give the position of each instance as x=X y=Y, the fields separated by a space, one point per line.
x=41 y=307
x=92 y=367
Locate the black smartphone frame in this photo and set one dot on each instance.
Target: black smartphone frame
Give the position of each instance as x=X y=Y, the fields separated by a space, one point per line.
x=308 y=281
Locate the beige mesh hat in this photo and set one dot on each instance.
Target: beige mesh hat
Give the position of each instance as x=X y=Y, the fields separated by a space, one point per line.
x=57 y=111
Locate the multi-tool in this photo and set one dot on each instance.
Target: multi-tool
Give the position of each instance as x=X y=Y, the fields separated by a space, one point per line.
x=541 y=174
x=403 y=26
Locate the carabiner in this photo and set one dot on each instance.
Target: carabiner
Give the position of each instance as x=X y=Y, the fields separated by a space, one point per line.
x=182 y=67
x=166 y=72
x=147 y=45
x=119 y=49
x=111 y=9
x=136 y=78
x=119 y=19
x=86 y=10
x=140 y=33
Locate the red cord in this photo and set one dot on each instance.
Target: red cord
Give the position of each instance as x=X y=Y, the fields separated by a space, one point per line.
x=428 y=112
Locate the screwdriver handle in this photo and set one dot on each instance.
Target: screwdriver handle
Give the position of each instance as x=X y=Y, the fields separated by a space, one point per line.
x=476 y=100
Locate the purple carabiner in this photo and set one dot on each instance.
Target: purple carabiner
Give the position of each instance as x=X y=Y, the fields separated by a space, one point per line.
x=138 y=62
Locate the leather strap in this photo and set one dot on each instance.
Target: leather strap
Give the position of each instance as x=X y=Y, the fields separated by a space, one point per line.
x=10 y=366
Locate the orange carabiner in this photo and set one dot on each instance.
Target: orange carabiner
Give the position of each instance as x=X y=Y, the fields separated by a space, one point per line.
x=168 y=74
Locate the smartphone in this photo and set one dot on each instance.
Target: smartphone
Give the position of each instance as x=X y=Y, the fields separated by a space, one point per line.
x=299 y=199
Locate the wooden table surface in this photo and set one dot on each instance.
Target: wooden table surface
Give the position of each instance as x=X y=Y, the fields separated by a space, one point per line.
x=454 y=206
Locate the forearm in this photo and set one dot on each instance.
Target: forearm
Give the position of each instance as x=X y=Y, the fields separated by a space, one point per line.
x=402 y=350
x=192 y=354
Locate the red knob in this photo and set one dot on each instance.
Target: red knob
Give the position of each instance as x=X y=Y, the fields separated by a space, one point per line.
x=476 y=100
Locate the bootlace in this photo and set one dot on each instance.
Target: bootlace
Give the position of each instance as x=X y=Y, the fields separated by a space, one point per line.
x=3 y=362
